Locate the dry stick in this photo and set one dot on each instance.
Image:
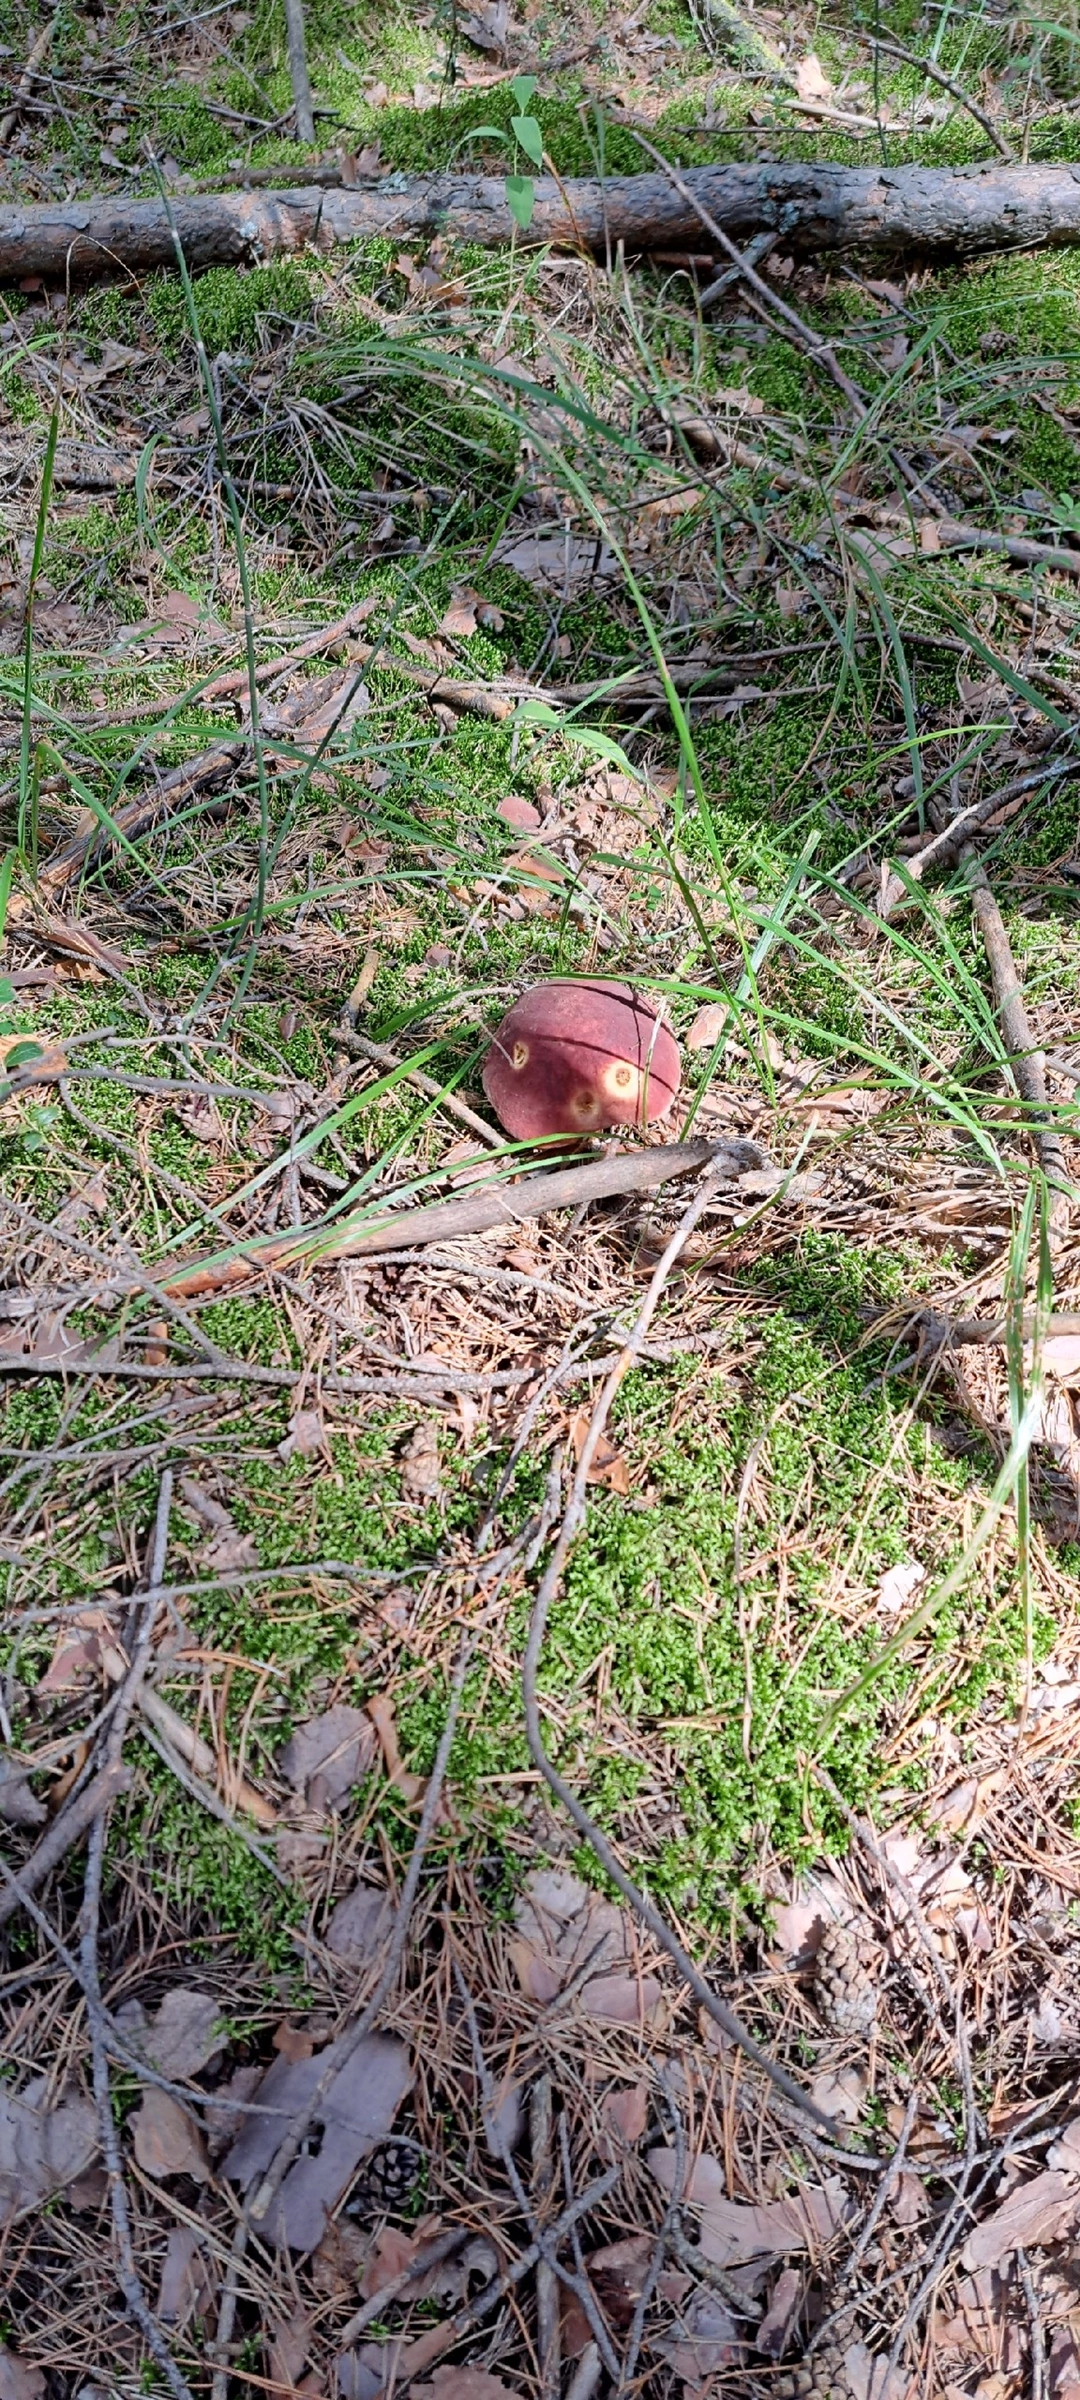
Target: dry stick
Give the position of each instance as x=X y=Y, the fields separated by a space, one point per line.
x=572 y=1523
x=65 y=1830
x=430 y=2254
x=127 y=2273
x=1038 y=2352
x=546 y=2245
x=547 y=2288
x=296 y=44
x=586 y=2375
x=936 y=74
x=946 y=843
x=508 y=1204
x=419 y=2355
x=382 y=1056
x=1025 y=1057
x=27 y=79
x=136 y=816
x=746 y=269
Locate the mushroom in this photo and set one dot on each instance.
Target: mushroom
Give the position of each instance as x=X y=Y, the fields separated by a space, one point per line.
x=571 y=1057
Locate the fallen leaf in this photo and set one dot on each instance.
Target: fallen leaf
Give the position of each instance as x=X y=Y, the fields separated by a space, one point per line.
x=466 y=612
x=1061 y=1355
x=166 y=2138
x=708 y=1025
x=608 y=1467
x=963 y=1808
x=327 y=1755
x=908 y=2203
x=929 y=537
x=189 y=2278
x=32 y=1061
x=871 y=2378
x=561 y=1928
x=799 y=1924
x=566 y=563
x=306 y=1437
x=363 y=2095
x=43 y=2148
x=540 y=881
x=624 y=2116
x=1064 y=2363
x=1037 y=2212
x=520 y=813
x=484 y=24
x=182 y=2036
x=420 y=1461
x=897 y=1586
x=618 y=2272
x=811 y=81
x=360 y=1924
x=702 y=2339
x=840 y=2091
x=288 y=2348
x=195 y=422
x=732 y=2231
x=380 y=1709
x=18 y=2379
x=330 y=706
x=1065 y=2152
x=464 y=2383
x=775 y=2330
x=622 y=1999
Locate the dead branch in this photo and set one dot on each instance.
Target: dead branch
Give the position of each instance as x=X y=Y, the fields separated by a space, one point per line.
x=935 y=74
x=1025 y=1057
x=939 y=212
x=37 y=53
x=296 y=44
x=510 y=1203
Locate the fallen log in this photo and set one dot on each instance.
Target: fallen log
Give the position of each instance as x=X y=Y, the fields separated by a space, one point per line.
x=943 y=212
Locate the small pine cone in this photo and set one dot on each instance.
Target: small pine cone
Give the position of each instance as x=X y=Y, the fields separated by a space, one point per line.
x=846 y=1980
x=387 y=2179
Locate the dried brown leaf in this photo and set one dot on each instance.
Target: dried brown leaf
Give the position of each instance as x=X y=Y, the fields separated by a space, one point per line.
x=380 y=1709
x=732 y=2231
x=328 y=1755
x=43 y=2148
x=811 y=81
x=1041 y=2211
x=189 y=2278
x=464 y=2383
x=624 y=2116
x=360 y=1924
x=166 y=2138
x=609 y=1467
x=357 y=2111
x=18 y=2379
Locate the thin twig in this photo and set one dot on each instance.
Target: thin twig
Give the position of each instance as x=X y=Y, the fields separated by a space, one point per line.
x=127 y=2272
x=547 y=2289
x=936 y=74
x=1038 y=2349
x=572 y=1523
x=430 y=2254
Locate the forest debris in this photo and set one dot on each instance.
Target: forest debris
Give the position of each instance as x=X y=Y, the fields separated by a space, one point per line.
x=846 y=1979
x=608 y=1468
x=624 y=2115
x=182 y=2036
x=326 y=1756
x=188 y=2278
x=360 y=1924
x=167 y=2139
x=380 y=1709
x=775 y=2329
x=702 y=2339
x=420 y=1460
x=566 y=563
x=18 y=1804
x=898 y=1585
x=306 y=1437
x=43 y=2146
x=733 y=2231
x=356 y=2111
x=18 y=2379
x=1041 y=2211
x=562 y=1929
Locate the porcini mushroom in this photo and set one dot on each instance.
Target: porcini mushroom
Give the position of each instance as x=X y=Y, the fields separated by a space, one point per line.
x=571 y=1057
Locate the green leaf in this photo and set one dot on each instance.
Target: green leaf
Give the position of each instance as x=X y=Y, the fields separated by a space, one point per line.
x=526 y=131
x=599 y=745
x=476 y=133
x=21 y=1054
x=520 y=196
x=523 y=87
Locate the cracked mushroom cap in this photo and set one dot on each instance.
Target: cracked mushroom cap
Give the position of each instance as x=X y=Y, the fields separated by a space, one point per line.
x=572 y=1057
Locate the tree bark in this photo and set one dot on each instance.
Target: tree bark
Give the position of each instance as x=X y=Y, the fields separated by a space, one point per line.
x=930 y=211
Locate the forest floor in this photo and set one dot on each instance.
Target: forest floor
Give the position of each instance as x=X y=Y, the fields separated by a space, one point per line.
x=603 y=637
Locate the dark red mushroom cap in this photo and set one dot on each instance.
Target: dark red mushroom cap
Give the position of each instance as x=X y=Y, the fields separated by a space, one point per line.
x=571 y=1057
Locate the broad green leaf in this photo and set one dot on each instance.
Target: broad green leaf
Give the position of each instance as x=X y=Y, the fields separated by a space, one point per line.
x=526 y=131
x=523 y=87
x=520 y=198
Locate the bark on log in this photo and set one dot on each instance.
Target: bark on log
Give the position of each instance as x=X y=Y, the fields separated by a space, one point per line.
x=953 y=212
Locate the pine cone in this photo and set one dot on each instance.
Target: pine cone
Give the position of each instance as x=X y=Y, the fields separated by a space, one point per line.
x=822 y=2377
x=846 y=1980
x=387 y=2179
